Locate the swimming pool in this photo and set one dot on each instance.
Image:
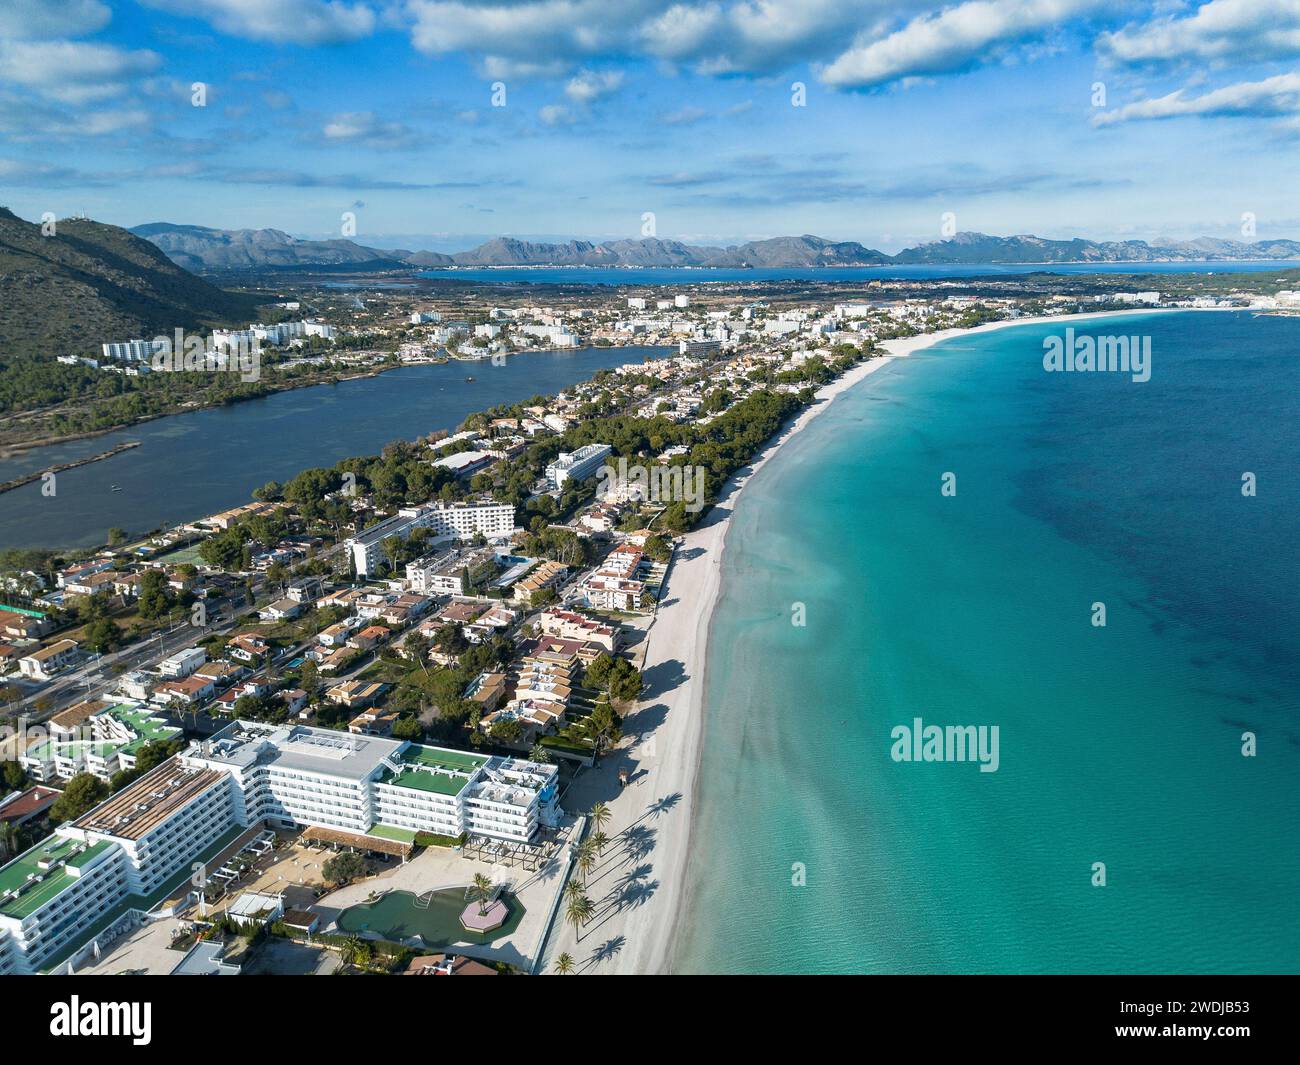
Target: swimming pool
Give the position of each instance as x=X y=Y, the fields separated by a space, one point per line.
x=397 y=917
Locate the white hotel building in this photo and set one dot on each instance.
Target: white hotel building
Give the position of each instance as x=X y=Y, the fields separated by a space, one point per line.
x=102 y=873
x=577 y=465
x=462 y=520
x=110 y=869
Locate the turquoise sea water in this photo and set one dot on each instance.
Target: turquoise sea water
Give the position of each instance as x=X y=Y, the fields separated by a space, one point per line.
x=1120 y=745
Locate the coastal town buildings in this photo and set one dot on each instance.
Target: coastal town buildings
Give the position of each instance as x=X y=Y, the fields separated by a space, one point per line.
x=112 y=867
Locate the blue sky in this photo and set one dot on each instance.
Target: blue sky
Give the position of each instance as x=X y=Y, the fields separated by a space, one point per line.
x=384 y=108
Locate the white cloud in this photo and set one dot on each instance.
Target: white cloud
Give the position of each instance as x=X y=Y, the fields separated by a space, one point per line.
x=365 y=127
x=26 y=119
x=1219 y=31
x=684 y=116
x=1272 y=97
x=45 y=19
x=555 y=115
x=73 y=72
x=714 y=36
x=564 y=29
x=283 y=21
x=763 y=36
x=949 y=41
x=588 y=86
x=501 y=68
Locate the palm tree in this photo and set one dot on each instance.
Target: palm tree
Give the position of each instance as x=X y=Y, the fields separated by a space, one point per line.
x=564 y=965
x=350 y=950
x=573 y=889
x=600 y=815
x=578 y=912
x=481 y=891
x=600 y=841
x=539 y=754
x=585 y=858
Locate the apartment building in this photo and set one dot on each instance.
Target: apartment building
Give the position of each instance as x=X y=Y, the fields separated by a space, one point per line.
x=95 y=737
x=577 y=465
x=462 y=520
x=367 y=785
x=616 y=584
x=48 y=661
x=570 y=625
x=104 y=872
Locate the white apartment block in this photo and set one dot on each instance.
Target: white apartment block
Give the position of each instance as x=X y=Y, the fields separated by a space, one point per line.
x=131 y=350
x=556 y=335
x=106 y=741
x=577 y=465
x=462 y=520
x=106 y=872
x=183 y=663
x=296 y=776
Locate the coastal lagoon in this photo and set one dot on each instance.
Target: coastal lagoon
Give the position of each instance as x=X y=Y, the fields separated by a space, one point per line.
x=191 y=465
x=1120 y=746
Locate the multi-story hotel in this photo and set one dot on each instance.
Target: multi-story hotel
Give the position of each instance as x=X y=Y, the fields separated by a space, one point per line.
x=463 y=520
x=577 y=465
x=111 y=868
x=104 y=871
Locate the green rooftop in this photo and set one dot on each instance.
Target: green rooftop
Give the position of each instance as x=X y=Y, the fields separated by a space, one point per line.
x=148 y=728
x=74 y=749
x=421 y=780
x=401 y=835
x=441 y=758
x=169 y=888
x=44 y=859
x=140 y=721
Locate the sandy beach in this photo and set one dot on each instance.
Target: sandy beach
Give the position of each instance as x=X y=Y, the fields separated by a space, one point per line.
x=637 y=887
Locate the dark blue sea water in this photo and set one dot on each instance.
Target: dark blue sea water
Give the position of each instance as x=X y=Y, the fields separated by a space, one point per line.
x=1122 y=745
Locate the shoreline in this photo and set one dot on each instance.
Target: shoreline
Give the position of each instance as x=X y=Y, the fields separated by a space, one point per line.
x=707 y=545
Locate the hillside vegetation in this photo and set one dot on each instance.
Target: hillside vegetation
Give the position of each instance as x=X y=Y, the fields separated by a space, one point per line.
x=89 y=283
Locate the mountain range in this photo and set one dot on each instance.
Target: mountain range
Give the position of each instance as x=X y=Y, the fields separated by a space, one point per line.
x=87 y=282
x=205 y=250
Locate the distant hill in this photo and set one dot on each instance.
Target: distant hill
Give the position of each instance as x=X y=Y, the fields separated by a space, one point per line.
x=201 y=248
x=805 y=251
x=90 y=283
x=217 y=250
x=973 y=248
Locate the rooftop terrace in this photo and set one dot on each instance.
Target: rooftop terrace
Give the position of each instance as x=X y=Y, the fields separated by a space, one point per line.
x=37 y=876
x=136 y=810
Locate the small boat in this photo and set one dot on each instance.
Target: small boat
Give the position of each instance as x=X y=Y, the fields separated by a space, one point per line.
x=469 y=380
x=114 y=488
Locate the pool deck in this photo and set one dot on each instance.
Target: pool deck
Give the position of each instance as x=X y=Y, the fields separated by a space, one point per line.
x=437 y=868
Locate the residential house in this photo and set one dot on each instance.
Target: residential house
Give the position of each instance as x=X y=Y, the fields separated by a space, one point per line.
x=48 y=661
